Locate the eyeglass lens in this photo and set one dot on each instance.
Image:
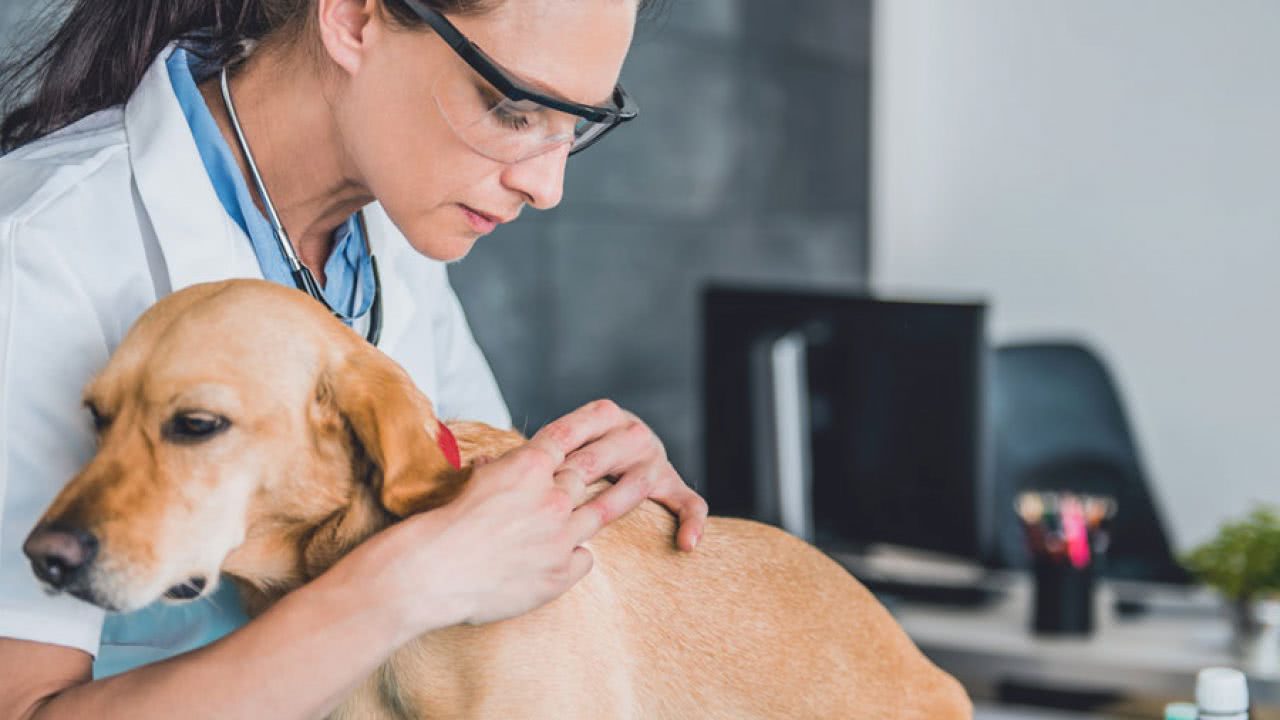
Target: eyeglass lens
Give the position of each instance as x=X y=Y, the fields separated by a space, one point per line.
x=503 y=129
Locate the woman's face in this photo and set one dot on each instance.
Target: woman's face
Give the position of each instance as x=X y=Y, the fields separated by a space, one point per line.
x=439 y=190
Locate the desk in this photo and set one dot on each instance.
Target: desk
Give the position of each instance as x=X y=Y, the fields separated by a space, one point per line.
x=981 y=712
x=1152 y=658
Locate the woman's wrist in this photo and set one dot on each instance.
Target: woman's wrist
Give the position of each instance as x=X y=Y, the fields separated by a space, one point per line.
x=396 y=583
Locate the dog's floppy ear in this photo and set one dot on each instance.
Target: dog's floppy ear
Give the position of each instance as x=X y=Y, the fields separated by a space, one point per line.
x=396 y=427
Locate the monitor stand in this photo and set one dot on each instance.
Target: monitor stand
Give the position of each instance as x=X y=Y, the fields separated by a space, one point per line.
x=781 y=436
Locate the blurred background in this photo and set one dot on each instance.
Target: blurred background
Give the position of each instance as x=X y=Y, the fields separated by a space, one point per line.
x=961 y=251
x=751 y=163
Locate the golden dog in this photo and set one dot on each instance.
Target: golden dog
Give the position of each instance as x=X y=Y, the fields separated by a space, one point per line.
x=267 y=445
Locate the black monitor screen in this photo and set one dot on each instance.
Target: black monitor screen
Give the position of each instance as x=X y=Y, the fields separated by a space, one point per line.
x=894 y=414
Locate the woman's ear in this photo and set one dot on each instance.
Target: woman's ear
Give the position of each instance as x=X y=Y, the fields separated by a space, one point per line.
x=343 y=27
x=394 y=424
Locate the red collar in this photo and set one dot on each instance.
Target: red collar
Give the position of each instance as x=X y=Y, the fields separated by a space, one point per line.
x=448 y=445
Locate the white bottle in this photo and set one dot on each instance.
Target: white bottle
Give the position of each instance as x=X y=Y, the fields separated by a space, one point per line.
x=1222 y=694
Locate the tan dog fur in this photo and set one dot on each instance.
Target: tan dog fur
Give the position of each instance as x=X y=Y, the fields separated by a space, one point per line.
x=331 y=441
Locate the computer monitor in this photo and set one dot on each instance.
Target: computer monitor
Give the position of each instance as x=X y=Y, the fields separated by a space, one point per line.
x=850 y=420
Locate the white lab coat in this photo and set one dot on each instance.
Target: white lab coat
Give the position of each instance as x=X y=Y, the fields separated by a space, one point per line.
x=99 y=220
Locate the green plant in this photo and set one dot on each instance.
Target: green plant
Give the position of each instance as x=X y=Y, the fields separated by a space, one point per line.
x=1243 y=560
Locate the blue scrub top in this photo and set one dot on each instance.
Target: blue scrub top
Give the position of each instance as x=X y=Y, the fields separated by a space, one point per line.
x=162 y=630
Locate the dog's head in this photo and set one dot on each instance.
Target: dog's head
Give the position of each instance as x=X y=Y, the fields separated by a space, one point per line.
x=236 y=422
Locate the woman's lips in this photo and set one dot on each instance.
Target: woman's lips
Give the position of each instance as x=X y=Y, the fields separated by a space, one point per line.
x=480 y=222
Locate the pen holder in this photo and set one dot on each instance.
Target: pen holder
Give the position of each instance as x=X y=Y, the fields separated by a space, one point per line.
x=1063 y=602
x=1067 y=535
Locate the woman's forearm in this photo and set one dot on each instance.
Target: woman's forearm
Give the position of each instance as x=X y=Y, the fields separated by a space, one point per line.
x=297 y=660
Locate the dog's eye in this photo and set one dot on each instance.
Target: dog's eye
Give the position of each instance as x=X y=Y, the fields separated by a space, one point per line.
x=100 y=421
x=194 y=426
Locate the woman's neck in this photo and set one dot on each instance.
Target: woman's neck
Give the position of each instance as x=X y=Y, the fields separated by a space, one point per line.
x=284 y=107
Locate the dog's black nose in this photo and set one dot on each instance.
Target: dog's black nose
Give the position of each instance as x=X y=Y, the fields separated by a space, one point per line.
x=58 y=555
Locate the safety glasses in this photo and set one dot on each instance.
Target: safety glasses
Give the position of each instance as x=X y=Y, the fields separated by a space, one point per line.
x=505 y=119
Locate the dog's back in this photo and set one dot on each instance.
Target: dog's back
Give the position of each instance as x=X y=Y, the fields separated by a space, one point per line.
x=753 y=624
x=762 y=625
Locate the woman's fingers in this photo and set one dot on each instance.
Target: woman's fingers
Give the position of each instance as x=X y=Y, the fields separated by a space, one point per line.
x=580 y=563
x=622 y=448
x=573 y=483
x=613 y=442
x=658 y=482
x=581 y=426
x=617 y=440
x=540 y=457
x=617 y=500
x=688 y=506
x=630 y=446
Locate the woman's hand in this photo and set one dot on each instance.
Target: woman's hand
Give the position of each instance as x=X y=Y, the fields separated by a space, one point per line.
x=510 y=542
x=602 y=440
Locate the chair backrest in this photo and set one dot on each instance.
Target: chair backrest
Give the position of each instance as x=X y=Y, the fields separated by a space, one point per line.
x=1058 y=424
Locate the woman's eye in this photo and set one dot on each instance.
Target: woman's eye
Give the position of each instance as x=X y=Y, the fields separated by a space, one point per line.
x=512 y=119
x=194 y=426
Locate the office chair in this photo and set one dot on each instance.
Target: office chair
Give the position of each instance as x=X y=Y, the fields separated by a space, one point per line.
x=1058 y=424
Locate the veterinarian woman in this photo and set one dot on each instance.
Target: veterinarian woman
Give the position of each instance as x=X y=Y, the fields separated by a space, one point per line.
x=378 y=132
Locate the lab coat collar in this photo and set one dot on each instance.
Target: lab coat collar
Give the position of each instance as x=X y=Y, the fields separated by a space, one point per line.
x=199 y=241
x=394 y=255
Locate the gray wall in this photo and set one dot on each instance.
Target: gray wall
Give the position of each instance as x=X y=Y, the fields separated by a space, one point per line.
x=749 y=162
x=1108 y=171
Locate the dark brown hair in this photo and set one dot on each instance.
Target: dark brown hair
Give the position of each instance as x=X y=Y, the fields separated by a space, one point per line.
x=98 y=54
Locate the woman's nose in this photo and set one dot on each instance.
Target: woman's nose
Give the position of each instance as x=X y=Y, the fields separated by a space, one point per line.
x=540 y=178
x=59 y=555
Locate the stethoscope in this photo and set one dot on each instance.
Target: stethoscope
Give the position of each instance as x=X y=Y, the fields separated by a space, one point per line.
x=302 y=276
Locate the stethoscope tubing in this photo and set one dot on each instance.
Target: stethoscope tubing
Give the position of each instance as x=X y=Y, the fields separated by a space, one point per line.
x=302 y=276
